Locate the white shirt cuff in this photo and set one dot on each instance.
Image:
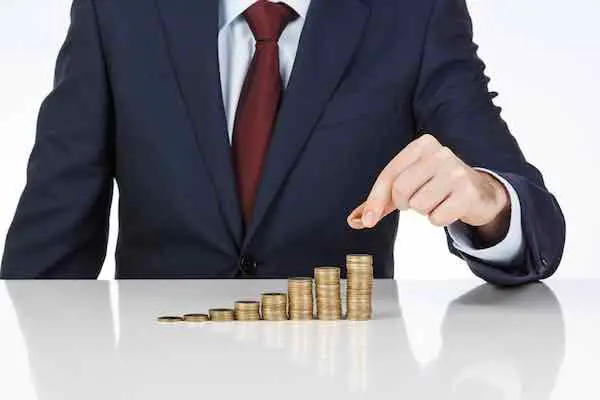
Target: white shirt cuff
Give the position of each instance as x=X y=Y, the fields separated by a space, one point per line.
x=506 y=252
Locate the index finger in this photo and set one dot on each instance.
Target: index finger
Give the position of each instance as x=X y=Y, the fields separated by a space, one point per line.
x=379 y=202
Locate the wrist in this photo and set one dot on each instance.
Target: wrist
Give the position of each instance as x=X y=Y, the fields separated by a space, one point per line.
x=492 y=232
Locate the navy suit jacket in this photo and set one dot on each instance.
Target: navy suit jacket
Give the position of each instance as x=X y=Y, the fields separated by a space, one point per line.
x=137 y=99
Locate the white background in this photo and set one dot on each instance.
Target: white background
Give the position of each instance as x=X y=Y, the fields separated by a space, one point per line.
x=543 y=57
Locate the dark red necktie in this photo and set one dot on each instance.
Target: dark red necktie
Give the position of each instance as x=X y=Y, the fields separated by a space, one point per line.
x=260 y=98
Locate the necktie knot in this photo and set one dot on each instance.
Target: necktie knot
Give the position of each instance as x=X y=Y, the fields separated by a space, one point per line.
x=267 y=20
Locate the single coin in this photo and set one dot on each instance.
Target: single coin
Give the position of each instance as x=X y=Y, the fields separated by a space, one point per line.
x=274 y=296
x=327 y=274
x=300 y=280
x=246 y=305
x=169 y=319
x=359 y=258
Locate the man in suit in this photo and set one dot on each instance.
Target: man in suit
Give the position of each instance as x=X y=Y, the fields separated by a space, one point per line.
x=259 y=139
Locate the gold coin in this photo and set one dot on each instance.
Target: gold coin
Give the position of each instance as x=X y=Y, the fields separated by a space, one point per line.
x=221 y=314
x=301 y=317
x=359 y=259
x=169 y=319
x=359 y=295
x=353 y=274
x=359 y=287
x=246 y=305
x=327 y=274
x=301 y=306
x=330 y=317
x=275 y=316
x=247 y=310
x=358 y=305
x=273 y=298
x=195 y=318
x=300 y=282
x=247 y=317
x=325 y=291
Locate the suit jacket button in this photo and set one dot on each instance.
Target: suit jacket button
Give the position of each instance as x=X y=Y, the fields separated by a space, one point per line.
x=544 y=261
x=248 y=264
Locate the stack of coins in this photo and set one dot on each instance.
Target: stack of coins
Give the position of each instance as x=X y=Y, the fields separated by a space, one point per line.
x=274 y=306
x=195 y=318
x=221 y=314
x=247 y=310
x=169 y=319
x=300 y=294
x=329 y=301
x=359 y=294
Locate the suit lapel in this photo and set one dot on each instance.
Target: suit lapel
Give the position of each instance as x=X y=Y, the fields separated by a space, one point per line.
x=331 y=34
x=191 y=31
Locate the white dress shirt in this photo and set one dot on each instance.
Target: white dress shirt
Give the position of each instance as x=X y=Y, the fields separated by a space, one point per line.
x=236 y=49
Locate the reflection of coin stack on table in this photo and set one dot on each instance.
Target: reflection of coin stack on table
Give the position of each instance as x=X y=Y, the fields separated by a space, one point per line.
x=221 y=314
x=274 y=306
x=360 y=287
x=329 y=301
x=300 y=294
x=247 y=310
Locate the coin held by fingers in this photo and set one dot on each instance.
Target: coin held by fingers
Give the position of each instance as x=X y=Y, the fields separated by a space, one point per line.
x=361 y=218
x=355 y=219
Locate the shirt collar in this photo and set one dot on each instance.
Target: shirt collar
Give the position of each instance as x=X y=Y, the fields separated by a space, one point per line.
x=231 y=9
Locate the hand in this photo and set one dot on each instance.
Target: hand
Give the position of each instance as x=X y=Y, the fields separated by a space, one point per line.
x=430 y=179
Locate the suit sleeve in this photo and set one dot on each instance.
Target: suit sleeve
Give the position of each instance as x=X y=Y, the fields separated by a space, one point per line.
x=452 y=102
x=61 y=224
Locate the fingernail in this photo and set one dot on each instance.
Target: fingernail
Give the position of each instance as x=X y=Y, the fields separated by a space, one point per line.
x=370 y=219
x=355 y=224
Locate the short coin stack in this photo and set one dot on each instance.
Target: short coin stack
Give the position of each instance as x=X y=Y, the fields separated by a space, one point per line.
x=221 y=314
x=359 y=294
x=274 y=306
x=168 y=319
x=195 y=318
x=247 y=310
x=300 y=294
x=329 y=301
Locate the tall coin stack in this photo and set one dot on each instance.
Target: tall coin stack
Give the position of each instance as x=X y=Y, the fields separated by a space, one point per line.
x=329 y=300
x=359 y=294
x=274 y=306
x=300 y=295
x=247 y=310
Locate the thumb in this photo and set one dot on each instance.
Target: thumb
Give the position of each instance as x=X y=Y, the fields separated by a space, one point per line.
x=356 y=217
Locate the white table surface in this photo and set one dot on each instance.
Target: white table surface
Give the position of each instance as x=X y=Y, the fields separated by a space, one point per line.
x=67 y=340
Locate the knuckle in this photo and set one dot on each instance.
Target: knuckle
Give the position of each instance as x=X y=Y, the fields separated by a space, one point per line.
x=428 y=139
x=436 y=220
x=458 y=173
x=397 y=189
x=445 y=153
x=399 y=195
x=417 y=205
x=423 y=143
